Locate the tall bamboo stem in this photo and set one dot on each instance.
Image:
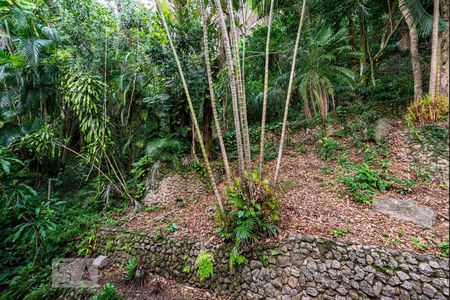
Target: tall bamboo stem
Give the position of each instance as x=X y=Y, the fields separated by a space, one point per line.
x=288 y=96
x=191 y=109
x=211 y=93
x=265 y=93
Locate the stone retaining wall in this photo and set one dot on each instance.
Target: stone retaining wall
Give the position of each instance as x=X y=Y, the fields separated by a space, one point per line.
x=301 y=267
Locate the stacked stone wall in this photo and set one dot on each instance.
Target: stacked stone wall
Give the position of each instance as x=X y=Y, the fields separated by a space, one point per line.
x=300 y=267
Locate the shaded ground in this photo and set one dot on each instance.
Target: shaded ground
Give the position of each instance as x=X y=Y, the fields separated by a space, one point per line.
x=154 y=287
x=315 y=202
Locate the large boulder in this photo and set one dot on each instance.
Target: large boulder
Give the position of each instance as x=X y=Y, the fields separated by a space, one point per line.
x=406 y=210
x=382 y=130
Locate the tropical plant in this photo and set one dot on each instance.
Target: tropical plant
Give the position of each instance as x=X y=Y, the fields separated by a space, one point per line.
x=427 y=110
x=249 y=218
x=205 y=264
x=321 y=70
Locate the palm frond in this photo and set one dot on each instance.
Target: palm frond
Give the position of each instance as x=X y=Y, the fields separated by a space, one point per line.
x=421 y=18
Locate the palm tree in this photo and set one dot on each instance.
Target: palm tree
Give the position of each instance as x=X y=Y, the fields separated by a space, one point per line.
x=192 y=111
x=211 y=92
x=414 y=49
x=288 y=96
x=434 y=51
x=320 y=70
x=419 y=22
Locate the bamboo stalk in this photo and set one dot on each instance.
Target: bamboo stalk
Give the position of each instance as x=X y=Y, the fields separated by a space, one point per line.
x=212 y=95
x=288 y=96
x=265 y=92
x=191 y=109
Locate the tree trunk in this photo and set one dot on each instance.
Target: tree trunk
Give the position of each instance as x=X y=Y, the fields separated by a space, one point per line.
x=240 y=87
x=206 y=127
x=414 y=48
x=288 y=96
x=362 y=50
x=434 y=51
x=233 y=88
x=444 y=65
x=265 y=93
x=192 y=111
x=212 y=95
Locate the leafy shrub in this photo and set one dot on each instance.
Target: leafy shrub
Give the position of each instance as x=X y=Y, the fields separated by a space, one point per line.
x=109 y=292
x=426 y=110
x=131 y=268
x=365 y=180
x=248 y=218
x=340 y=232
x=362 y=181
x=328 y=148
x=444 y=248
x=205 y=265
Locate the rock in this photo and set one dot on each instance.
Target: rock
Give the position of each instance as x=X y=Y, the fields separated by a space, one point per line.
x=382 y=129
x=429 y=290
x=312 y=291
x=405 y=210
x=402 y=275
x=377 y=287
x=425 y=268
x=293 y=282
x=100 y=262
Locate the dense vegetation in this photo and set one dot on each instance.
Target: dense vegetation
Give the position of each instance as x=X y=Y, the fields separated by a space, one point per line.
x=95 y=97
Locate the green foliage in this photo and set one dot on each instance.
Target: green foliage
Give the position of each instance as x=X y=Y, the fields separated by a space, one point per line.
x=321 y=69
x=418 y=243
x=432 y=137
x=131 y=268
x=427 y=111
x=444 y=248
x=364 y=181
x=249 y=218
x=109 y=246
x=328 y=148
x=108 y=292
x=171 y=227
x=337 y=233
x=205 y=264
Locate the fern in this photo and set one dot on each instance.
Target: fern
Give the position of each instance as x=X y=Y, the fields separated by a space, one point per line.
x=131 y=268
x=205 y=265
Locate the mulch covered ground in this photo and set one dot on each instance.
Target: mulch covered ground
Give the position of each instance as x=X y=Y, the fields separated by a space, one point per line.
x=153 y=287
x=316 y=204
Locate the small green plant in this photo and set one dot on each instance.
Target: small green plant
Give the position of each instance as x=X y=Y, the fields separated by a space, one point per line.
x=131 y=268
x=87 y=245
x=328 y=148
x=108 y=292
x=171 y=227
x=337 y=233
x=418 y=243
x=205 y=265
x=444 y=248
x=288 y=185
x=186 y=269
x=326 y=170
x=109 y=245
x=300 y=148
x=364 y=181
x=159 y=235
